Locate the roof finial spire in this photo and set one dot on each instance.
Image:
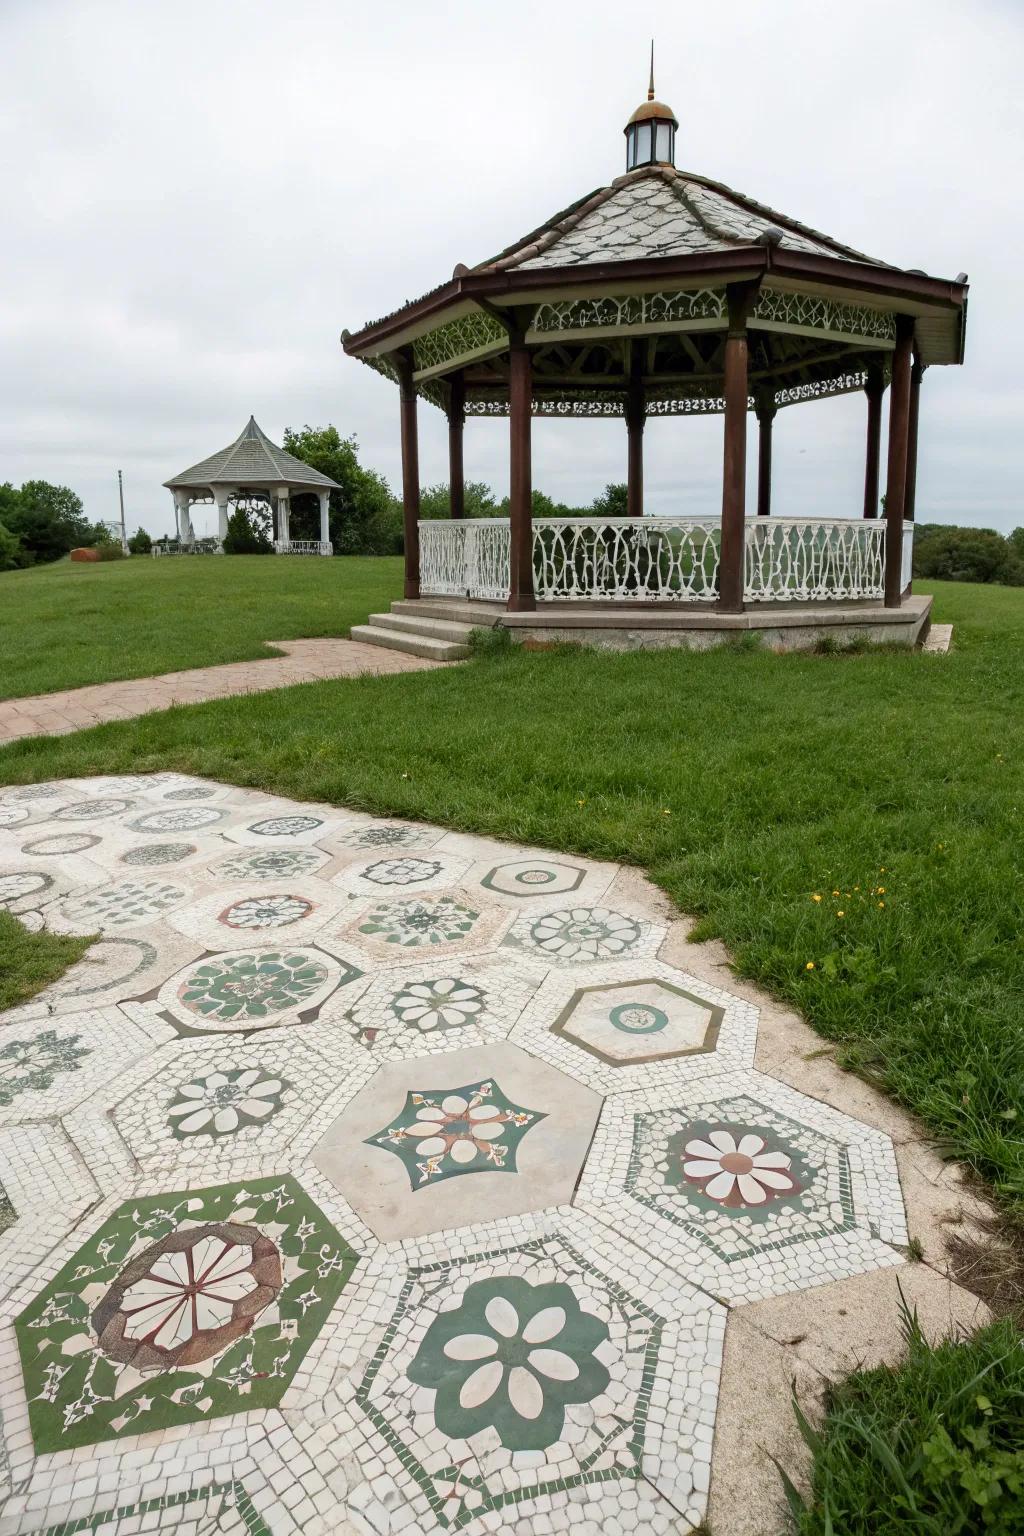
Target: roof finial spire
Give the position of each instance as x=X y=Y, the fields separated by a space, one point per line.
x=650 y=88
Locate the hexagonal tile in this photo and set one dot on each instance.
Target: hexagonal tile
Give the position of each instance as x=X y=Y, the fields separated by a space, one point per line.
x=507 y=1370
x=177 y=819
x=180 y=1308
x=578 y=935
x=398 y=872
x=272 y=863
x=48 y=1066
x=439 y=1005
x=636 y=1024
x=290 y=911
x=535 y=881
x=402 y=1183
x=46 y=1190
x=121 y=905
x=217 y=1104
x=116 y=967
x=363 y=834
x=747 y=1187
x=282 y=826
x=396 y=928
x=263 y=987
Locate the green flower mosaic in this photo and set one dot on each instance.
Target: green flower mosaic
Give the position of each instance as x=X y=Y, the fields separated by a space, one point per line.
x=181 y=1308
x=415 y=924
x=511 y=1357
x=222 y=1103
x=502 y=1320
x=443 y=1133
x=31 y=1066
x=252 y=986
x=271 y=863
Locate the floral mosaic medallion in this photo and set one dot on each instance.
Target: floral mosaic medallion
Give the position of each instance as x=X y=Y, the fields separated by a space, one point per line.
x=407 y=871
x=190 y=792
x=33 y=792
x=92 y=810
x=270 y=864
x=181 y=1308
x=184 y=819
x=18 y=886
x=750 y=1193
x=221 y=1103
x=60 y=843
x=285 y=826
x=31 y=1066
x=13 y=815
x=441 y=1134
x=253 y=989
x=510 y=1358
x=157 y=853
x=388 y=835
x=404 y=924
x=533 y=877
x=446 y=1003
x=270 y=911
x=510 y=1375
x=575 y=935
x=125 y=904
x=241 y=989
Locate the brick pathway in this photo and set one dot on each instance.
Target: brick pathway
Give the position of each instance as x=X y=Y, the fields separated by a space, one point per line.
x=304 y=661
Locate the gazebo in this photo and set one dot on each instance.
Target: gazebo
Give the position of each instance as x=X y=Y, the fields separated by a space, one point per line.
x=252 y=471
x=669 y=294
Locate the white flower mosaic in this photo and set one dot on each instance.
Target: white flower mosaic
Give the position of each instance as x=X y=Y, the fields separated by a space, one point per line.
x=221 y=1103
x=578 y=935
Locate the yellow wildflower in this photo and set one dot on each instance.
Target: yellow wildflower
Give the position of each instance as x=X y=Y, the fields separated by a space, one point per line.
x=809 y=966
x=815 y=897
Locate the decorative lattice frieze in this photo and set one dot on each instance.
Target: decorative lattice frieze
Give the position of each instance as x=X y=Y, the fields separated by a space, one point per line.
x=815 y=312
x=465 y=337
x=619 y=311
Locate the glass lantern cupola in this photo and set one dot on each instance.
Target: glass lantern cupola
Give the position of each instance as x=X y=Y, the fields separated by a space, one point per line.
x=651 y=132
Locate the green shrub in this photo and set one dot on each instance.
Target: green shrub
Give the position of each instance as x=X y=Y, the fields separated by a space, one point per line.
x=964 y=554
x=11 y=553
x=108 y=550
x=140 y=542
x=245 y=536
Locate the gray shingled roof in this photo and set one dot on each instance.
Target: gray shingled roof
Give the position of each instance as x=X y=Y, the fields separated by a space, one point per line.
x=660 y=212
x=251 y=460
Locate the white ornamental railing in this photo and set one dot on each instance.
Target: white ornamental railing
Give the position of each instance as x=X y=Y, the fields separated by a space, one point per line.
x=659 y=559
x=190 y=547
x=649 y=559
x=907 y=567
x=302 y=547
x=799 y=560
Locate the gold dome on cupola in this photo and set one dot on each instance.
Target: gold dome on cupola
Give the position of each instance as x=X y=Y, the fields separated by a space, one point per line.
x=651 y=131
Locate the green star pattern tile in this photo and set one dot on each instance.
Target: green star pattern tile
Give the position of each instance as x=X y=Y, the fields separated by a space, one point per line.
x=181 y=1308
x=445 y=1132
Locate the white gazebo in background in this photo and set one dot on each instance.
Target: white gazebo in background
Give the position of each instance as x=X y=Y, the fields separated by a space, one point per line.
x=253 y=471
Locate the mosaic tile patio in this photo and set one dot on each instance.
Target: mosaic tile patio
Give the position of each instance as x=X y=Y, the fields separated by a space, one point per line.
x=365 y=1177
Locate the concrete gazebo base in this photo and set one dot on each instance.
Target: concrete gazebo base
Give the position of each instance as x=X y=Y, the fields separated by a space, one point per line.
x=441 y=626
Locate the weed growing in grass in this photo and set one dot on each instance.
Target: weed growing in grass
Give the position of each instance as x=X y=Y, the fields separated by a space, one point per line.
x=494 y=641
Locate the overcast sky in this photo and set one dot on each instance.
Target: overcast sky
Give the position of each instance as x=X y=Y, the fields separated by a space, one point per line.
x=199 y=194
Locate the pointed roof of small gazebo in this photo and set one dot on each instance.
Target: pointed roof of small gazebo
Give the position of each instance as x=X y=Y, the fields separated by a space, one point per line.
x=251 y=460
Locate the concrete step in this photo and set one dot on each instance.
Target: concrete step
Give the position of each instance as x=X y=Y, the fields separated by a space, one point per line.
x=451 y=609
x=418 y=624
x=412 y=645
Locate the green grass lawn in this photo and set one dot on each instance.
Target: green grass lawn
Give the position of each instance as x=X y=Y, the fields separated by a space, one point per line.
x=67 y=624
x=888 y=785
x=30 y=961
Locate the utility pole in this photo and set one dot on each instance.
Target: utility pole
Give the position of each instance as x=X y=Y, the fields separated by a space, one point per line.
x=120 y=492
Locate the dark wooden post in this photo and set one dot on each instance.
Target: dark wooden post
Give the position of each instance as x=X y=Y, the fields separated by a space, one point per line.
x=456 y=425
x=734 y=462
x=874 y=389
x=910 y=499
x=899 y=442
x=766 y=411
x=636 y=416
x=520 y=400
x=410 y=475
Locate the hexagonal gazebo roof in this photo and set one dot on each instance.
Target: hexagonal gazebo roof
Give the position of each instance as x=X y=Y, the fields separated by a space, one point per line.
x=652 y=254
x=252 y=461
